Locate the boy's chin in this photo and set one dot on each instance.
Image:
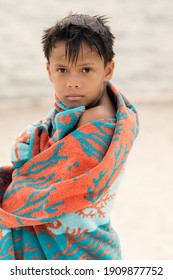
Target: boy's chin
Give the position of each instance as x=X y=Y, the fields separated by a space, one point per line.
x=74 y=104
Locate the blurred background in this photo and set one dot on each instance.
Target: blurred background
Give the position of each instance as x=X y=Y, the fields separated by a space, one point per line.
x=144 y=72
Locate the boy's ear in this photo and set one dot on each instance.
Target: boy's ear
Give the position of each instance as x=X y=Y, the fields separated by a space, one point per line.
x=109 y=69
x=49 y=71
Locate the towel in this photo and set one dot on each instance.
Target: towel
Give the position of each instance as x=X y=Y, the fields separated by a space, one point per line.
x=56 y=198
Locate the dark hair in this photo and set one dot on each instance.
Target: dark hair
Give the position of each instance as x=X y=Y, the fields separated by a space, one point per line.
x=77 y=29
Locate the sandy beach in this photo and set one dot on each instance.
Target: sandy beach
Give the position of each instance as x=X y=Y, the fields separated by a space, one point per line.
x=142 y=215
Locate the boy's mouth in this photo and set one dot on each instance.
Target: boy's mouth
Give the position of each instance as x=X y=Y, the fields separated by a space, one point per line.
x=74 y=96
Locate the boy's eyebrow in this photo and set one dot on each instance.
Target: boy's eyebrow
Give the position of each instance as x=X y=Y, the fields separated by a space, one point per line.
x=87 y=63
x=82 y=64
x=59 y=65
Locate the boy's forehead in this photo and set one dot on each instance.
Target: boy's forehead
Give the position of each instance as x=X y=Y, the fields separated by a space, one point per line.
x=86 y=53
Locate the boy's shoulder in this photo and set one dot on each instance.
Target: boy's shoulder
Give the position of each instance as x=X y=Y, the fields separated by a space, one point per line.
x=95 y=113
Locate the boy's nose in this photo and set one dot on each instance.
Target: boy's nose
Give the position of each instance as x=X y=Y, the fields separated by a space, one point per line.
x=73 y=83
x=70 y=85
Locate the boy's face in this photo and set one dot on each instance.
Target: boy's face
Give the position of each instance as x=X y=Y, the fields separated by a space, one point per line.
x=81 y=83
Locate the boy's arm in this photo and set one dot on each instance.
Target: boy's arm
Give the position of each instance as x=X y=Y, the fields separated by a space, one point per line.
x=93 y=114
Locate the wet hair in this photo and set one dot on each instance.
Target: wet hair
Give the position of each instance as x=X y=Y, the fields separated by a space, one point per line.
x=77 y=29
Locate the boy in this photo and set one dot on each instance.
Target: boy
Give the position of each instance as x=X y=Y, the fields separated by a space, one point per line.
x=57 y=197
x=79 y=65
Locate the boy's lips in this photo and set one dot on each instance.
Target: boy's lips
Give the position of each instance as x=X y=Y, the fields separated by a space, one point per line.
x=73 y=96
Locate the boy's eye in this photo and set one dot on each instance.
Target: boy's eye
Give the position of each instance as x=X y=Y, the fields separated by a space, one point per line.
x=86 y=70
x=61 y=70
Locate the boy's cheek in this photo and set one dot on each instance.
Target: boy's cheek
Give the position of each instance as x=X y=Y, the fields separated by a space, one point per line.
x=49 y=72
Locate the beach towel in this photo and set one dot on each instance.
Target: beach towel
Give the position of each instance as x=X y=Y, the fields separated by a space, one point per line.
x=56 y=198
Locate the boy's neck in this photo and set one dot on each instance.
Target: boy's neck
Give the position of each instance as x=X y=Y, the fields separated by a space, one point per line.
x=99 y=100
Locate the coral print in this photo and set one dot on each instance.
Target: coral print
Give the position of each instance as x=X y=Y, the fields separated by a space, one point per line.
x=56 y=199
